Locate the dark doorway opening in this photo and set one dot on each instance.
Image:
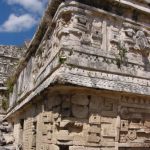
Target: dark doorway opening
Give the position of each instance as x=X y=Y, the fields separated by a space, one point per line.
x=64 y=147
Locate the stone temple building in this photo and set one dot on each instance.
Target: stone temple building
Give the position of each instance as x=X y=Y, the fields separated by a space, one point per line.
x=84 y=82
x=9 y=58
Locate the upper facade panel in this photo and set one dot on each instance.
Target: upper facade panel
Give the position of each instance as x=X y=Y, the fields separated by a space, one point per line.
x=9 y=56
x=99 y=44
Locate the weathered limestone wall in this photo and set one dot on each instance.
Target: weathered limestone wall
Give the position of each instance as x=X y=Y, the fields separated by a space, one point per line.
x=90 y=47
x=85 y=83
x=9 y=57
x=85 y=118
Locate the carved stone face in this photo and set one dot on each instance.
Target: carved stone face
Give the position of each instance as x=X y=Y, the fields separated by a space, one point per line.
x=140 y=34
x=141 y=41
x=129 y=32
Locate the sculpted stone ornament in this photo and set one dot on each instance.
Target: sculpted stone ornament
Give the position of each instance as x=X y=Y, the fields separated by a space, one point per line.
x=134 y=39
x=114 y=40
x=142 y=42
x=80 y=22
x=123 y=138
x=45 y=48
x=129 y=32
x=124 y=112
x=96 y=33
x=94 y=119
x=124 y=125
x=132 y=135
x=86 y=39
x=41 y=56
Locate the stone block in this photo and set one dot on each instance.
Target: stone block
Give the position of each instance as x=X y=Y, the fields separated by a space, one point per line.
x=94 y=119
x=147 y=124
x=83 y=148
x=124 y=125
x=95 y=104
x=79 y=111
x=55 y=101
x=49 y=147
x=64 y=123
x=47 y=117
x=123 y=138
x=63 y=135
x=9 y=139
x=95 y=129
x=93 y=138
x=79 y=140
x=44 y=129
x=49 y=135
x=66 y=109
x=108 y=130
x=80 y=100
x=110 y=148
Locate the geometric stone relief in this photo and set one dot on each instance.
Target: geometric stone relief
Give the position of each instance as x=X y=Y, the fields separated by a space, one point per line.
x=96 y=33
x=135 y=121
x=90 y=30
x=9 y=56
x=77 y=119
x=44 y=128
x=48 y=48
x=29 y=134
x=114 y=39
x=90 y=35
x=136 y=39
x=87 y=32
x=94 y=134
x=109 y=107
x=129 y=42
x=97 y=121
x=82 y=119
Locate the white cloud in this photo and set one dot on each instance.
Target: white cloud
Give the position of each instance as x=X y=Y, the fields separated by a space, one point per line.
x=18 y=23
x=31 y=11
x=30 y=5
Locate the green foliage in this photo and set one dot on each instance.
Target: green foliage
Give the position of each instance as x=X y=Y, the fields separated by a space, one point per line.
x=122 y=54
x=5 y=104
x=10 y=84
x=122 y=50
x=118 y=62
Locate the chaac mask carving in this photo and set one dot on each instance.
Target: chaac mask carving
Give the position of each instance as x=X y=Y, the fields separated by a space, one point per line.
x=135 y=39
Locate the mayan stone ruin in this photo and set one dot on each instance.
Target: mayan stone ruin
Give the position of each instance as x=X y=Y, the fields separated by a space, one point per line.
x=9 y=59
x=84 y=80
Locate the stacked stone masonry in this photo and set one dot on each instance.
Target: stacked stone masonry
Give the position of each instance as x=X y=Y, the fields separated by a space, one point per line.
x=85 y=81
x=81 y=120
x=9 y=57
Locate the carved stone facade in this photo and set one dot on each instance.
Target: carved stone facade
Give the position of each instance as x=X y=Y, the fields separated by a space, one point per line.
x=9 y=57
x=84 y=119
x=85 y=82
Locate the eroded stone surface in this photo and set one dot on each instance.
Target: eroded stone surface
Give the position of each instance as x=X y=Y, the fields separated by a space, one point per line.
x=86 y=83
